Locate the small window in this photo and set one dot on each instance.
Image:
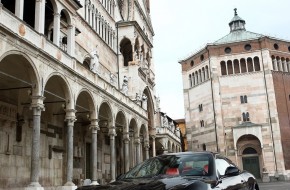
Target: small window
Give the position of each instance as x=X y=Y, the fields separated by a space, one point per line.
x=246 y=116
x=289 y=97
x=244 y=99
x=288 y=48
x=248 y=47
x=192 y=63
x=204 y=147
x=201 y=123
x=200 y=107
x=202 y=57
x=228 y=50
x=276 y=46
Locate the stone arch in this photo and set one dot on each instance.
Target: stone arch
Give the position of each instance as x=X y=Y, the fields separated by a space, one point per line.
x=133 y=128
x=169 y=146
x=253 y=160
x=150 y=108
x=63 y=85
x=86 y=103
x=23 y=63
x=126 y=50
x=121 y=131
x=50 y=10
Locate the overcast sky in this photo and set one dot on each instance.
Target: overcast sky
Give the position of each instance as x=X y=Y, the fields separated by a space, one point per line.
x=182 y=27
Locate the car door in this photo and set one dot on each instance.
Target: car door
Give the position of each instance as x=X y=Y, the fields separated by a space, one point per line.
x=226 y=182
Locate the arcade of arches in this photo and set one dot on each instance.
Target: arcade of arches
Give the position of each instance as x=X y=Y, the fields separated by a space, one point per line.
x=75 y=133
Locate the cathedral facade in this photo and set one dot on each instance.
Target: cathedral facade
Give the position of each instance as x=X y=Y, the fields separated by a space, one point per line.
x=236 y=95
x=77 y=92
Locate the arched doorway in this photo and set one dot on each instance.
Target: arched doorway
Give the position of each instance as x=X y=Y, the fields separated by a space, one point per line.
x=251 y=161
x=250 y=153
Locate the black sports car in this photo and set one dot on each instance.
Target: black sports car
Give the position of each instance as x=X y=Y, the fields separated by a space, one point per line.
x=186 y=170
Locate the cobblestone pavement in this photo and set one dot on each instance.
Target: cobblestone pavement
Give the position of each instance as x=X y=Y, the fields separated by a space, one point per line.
x=275 y=186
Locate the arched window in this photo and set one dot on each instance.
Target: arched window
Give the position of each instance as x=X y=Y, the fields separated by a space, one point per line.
x=206 y=73
x=196 y=75
x=9 y=5
x=230 y=67
x=199 y=76
x=193 y=79
x=190 y=81
x=279 y=65
x=243 y=65
x=257 y=64
x=250 y=64
x=236 y=66
x=246 y=116
x=245 y=99
x=203 y=75
x=223 y=68
x=126 y=50
x=48 y=22
x=204 y=147
x=249 y=150
x=29 y=12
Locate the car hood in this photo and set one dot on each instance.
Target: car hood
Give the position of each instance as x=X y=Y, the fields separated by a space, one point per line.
x=167 y=183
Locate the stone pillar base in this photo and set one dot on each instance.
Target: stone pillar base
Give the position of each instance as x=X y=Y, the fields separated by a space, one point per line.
x=34 y=188
x=265 y=177
x=67 y=188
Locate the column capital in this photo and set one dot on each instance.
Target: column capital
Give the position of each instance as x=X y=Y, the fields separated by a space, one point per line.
x=94 y=126
x=37 y=103
x=137 y=140
x=56 y=14
x=112 y=131
x=153 y=137
x=126 y=137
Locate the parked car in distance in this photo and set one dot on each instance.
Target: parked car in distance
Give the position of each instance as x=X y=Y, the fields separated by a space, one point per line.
x=185 y=170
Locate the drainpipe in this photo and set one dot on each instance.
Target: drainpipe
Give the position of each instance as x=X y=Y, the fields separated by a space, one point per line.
x=117 y=43
x=213 y=105
x=268 y=105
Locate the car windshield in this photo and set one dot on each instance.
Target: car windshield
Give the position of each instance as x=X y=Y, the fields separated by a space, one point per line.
x=175 y=165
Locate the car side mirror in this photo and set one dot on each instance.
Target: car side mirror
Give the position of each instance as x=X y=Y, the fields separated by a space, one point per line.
x=232 y=171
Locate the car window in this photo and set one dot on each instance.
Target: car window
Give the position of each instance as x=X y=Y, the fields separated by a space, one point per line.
x=189 y=165
x=222 y=164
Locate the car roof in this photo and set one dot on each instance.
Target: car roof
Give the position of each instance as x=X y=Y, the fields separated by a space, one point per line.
x=190 y=153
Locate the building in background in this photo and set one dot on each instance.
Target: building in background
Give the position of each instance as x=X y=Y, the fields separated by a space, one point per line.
x=168 y=136
x=77 y=91
x=182 y=127
x=237 y=100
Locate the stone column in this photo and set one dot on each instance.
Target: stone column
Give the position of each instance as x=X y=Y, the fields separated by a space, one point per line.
x=93 y=18
x=71 y=40
x=112 y=134
x=70 y=119
x=56 y=29
x=39 y=15
x=285 y=66
x=137 y=145
x=126 y=140
x=146 y=146
x=275 y=67
x=37 y=107
x=133 y=51
x=94 y=127
x=19 y=7
x=153 y=146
